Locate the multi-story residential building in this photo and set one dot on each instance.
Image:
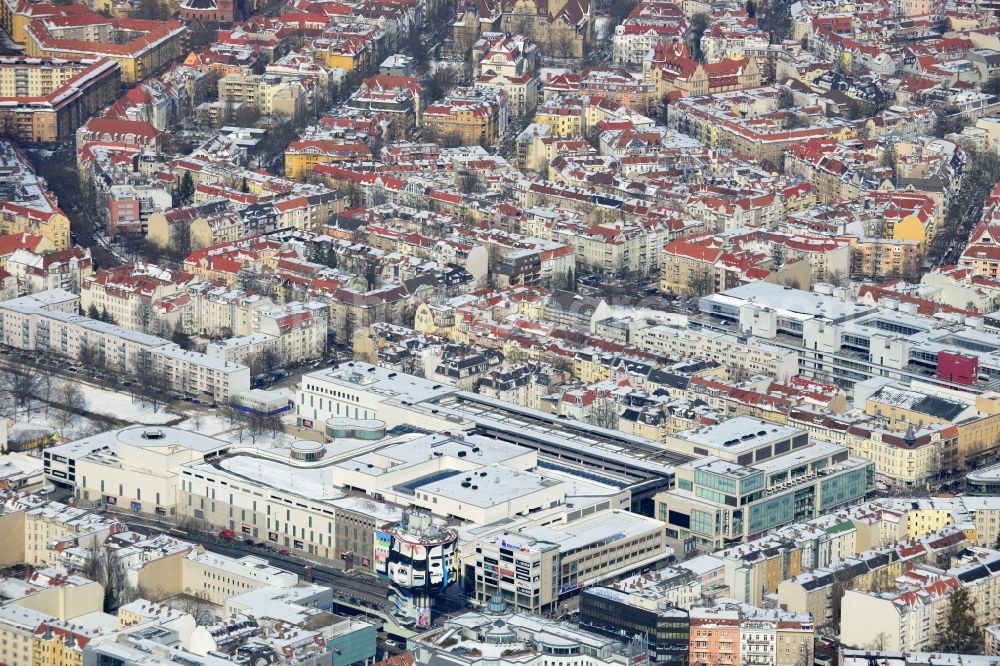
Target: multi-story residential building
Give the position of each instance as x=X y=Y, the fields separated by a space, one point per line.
x=561 y=30
x=140 y=47
x=302 y=155
x=398 y=97
x=522 y=91
x=38 y=532
x=130 y=206
x=907 y=620
x=732 y=635
x=217 y=578
x=26 y=204
x=30 y=323
x=294 y=333
x=753 y=477
x=678 y=75
x=649 y=24
x=630 y=248
x=712 y=120
x=44 y=101
x=910 y=458
x=18 y=626
x=63 y=641
x=268 y=94
x=121 y=133
x=731 y=351
x=876 y=257
x=66 y=270
x=127 y=293
x=913 y=618
x=906 y=408
x=15 y=15
x=468 y=116
x=702 y=264
x=505 y=53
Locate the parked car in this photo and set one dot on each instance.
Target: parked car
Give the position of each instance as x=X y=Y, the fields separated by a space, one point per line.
x=227 y=534
x=284 y=551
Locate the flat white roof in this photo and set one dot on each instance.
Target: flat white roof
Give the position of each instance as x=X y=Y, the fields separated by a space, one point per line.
x=794 y=301
x=477 y=450
x=738 y=434
x=607 y=526
x=385 y=382
x=488 y=486
x=248 y=567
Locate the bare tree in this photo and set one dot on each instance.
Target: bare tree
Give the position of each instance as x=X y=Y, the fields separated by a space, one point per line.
x=198 y=420
x=836 y=278
x=468 y=182
x=738 y=373
x=105 y=567
x=72 y=403
x=264 y=362
x=880 y=642
x=372 y=274
x=23 y=383
x=145 y=317
x=117 y=591
x=272 y=422
x=604 y=414
x=563 y=43
x=701 y=282
x=180 y=240
x=46 y=380
x=233 y=414
x=153 y=387
x=197 y=606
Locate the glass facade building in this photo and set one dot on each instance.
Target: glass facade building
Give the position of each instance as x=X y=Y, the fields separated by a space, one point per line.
x=718 y=502
x=666 y=629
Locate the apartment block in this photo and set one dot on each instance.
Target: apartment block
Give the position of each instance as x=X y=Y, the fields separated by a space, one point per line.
x=45 y=100
x=30 y=324
x=26 y=204
x=140 y=47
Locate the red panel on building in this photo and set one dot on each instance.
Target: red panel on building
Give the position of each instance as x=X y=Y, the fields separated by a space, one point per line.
x=957 y=368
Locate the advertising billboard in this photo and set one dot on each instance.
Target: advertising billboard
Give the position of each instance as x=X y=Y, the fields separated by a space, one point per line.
x=383 y=543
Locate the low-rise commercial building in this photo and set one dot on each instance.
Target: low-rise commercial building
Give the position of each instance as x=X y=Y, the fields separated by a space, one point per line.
x=653 y=604
x=499 y=632
x=533 y=568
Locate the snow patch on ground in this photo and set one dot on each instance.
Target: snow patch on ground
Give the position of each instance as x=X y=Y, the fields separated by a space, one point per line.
x=122 y=406
x=204 y=423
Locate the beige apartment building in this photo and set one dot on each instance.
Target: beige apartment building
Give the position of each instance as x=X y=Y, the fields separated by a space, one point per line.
x=217 y=577
x=17 y=631
x=886 y=257
x=37 y=535
x=727 y=350
x=46 y=100
x=270 y=95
